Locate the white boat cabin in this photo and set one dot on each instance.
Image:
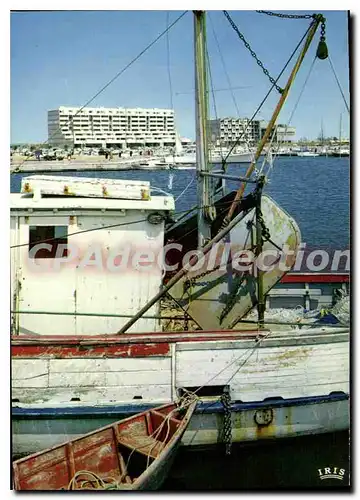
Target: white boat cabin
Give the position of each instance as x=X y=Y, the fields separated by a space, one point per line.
x=81 y=248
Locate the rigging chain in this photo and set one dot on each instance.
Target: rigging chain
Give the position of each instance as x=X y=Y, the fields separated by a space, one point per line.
x=286 y=16
x=227 y=430
x=247 y=45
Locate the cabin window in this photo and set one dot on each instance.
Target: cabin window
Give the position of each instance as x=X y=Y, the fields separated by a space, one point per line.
x=51 y=235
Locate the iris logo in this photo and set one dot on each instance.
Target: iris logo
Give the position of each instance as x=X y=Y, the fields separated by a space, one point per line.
x=329 y=473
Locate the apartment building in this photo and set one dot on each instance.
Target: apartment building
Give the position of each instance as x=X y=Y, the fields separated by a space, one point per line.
x=228 y=130
x=283 y=133
x=121 y=127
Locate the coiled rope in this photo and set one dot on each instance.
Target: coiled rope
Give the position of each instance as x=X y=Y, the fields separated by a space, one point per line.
x=95 y=482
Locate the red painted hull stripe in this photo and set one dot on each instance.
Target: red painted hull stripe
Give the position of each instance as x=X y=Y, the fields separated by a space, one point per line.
x=111 y=351
x=112 y=346
x=315 y=278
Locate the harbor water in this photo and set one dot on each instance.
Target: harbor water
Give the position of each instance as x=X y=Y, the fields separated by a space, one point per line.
x=274 y=465
x=316 y=192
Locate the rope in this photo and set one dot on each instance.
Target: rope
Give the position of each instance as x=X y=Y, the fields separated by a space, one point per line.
x=258 y=341
x=187 y=187
x=337 y=81
x=95 y=482
x=110 y=483
x=168 y=60
x=171 y=179
x=159 y=190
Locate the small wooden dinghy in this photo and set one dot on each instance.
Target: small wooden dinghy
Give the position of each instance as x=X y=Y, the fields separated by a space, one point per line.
x=133 y=454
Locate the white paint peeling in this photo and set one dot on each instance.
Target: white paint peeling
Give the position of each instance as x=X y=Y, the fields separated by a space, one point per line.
x=285 y=371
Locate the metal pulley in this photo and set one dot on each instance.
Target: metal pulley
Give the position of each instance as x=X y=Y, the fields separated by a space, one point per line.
x=322 y=50
x=210 y=213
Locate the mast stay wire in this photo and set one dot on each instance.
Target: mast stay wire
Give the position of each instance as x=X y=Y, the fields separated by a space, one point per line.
x=223 y=64
x=228 y=80
x=186 y=188
x=119 y=73
x=168 y=59
x=269 y=91
x=273 y=157
x=338 y=83
x=213 y=98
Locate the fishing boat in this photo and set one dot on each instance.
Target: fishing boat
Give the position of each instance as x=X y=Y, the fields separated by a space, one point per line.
x=341 y=152
x=94 y=350
x=133 y=454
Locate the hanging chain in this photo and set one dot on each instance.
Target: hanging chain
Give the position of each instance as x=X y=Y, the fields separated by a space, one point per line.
x=265 y=233
x=227 y=430
x=322 y=52
x=190 y=282
x=286 y=16
x=322 y=29
x=247 y=45
x=232 y=296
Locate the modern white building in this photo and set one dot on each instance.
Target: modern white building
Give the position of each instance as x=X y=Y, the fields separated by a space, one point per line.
x=283 y=133
x=122 y=127
x=228 y=130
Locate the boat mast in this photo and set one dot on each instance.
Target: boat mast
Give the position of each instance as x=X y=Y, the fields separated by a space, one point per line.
x=205 y=213
x=322 y=137
x=340 y=132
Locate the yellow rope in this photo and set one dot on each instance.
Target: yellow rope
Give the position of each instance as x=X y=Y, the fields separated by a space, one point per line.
x=103 y=484
x=110 y=483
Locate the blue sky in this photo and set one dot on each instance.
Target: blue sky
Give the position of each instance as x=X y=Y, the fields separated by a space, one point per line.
x=63 y=58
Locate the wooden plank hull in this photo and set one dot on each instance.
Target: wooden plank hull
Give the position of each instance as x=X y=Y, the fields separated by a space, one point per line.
x=135 y=454
x=36 y=428
x=66 y=382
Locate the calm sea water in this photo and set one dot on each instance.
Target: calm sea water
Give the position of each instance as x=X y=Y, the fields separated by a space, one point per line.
x=276 y=465
x=316 y=192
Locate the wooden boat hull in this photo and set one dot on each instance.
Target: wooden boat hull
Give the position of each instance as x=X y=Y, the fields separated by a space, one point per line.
x=63 y=385
x=36 y=428
x=133 y=454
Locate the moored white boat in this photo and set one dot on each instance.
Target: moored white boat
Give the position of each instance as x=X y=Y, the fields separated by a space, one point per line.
x=308 y=154
x=190 y=158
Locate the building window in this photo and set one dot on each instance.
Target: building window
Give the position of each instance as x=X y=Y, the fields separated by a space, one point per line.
x=47 y=235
